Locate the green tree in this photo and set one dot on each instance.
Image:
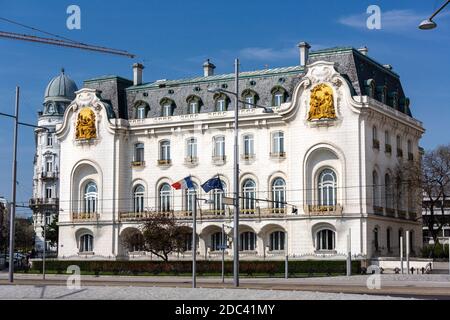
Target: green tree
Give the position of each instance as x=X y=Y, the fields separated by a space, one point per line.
x=51 y=232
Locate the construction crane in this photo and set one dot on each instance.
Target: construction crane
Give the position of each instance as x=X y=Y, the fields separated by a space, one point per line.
x=63 y=43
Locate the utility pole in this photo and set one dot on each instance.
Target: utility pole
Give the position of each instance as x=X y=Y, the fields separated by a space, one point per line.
x=349 y=253
x=236 y=178
x=45 y=248
x=12 y=216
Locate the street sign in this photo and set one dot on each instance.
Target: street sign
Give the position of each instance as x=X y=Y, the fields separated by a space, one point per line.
x=229 y=201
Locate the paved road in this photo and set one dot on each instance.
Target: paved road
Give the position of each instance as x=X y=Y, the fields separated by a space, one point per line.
x=417 y=286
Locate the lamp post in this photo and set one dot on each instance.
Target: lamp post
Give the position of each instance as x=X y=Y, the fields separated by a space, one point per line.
x=429 y=24
x=45 y=245
x=236 y=167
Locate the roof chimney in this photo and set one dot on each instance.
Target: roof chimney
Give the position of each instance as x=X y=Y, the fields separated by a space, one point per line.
x=208 y=68
x=364 y=50
x=137 y=73
x=304 y=52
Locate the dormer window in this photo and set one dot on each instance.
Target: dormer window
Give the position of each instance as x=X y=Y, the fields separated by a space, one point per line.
x=194 y=103
x=393 y=99
x=168 y=106
x=382 y=94
x=370 y=88
x=142 y=110
x=221 y=102
x=250 y=98
x=279 y=95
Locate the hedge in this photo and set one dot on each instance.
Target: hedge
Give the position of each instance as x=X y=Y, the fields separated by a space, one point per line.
x=437 y=251
x=203 y=267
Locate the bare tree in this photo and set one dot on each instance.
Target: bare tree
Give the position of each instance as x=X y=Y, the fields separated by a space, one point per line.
x=431 y=175
x=163 y=235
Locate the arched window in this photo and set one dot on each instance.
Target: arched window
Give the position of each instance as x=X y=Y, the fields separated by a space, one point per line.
x=167 y=106
x=410 y=150
x=249 y=146
x=375 y=141
x=327 y=188
x=325 y=240
x=247 y=241
x=90 y=198
x=194 y=104
x=86 y=243
x=219 y=147
x=370 y=88
x=278 y=194
x=138 y=197
x=165 y=198
x=249 y=196
x=218 y=240
x=375 y=189
x=376 y=240
x=191 y=148
x=142 y=110
x=189 y=195
x=388 y=192
x=278 y=143
x=250 y=98
x=279 y=95
x=382 y=94
x=217 y=195
x=164 y=152
x=221 y=102
x=139 y=152
x=276 y=241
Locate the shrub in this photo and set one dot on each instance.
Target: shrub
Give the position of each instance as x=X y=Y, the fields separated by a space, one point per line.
x=310 y=267
x=437 y=251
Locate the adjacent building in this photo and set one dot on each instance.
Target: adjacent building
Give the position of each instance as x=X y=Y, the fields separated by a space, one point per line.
x=325 y=159
x=59 y=93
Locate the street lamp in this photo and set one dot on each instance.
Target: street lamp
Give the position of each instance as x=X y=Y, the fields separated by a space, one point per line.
x=429 y=24
x=236 y=167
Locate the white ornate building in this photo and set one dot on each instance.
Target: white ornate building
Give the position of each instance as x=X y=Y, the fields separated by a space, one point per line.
x=325 y=158
x=59 y=93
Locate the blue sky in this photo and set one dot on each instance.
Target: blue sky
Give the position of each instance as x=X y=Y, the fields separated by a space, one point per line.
x=173 y=38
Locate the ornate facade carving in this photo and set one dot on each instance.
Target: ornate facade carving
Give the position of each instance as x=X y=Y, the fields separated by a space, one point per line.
x=321 y=104
x=85 y=129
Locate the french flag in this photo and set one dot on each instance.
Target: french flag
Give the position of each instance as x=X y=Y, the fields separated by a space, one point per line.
x=185 y=183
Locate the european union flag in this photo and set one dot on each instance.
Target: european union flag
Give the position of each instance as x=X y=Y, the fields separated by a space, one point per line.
x=213 y=183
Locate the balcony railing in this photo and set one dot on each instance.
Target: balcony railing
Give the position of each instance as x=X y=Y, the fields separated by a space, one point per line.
x=278 y=155
x=205 y=214
x=387 y=148
x=164 y=162
x=85 y=216
x=378 y=210
x=390 y=212
x=49 y=175
x=191 y=160
x=376 y=144
x=412 y=215
x=219 y=159
x=137 y=163
x=317 y=210
x=401 y=214
x=247 y=156
x=44 y=201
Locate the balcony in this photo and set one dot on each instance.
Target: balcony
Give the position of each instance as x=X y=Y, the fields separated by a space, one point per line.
x=191 y=160
x=164 y=162
x=138 y=164
x=401 y=214
x=219 y=160
x=315 y=210
x=378 y=210
x=35 y=202
x=390 y=212
x=278 y=155
x=49 y=175
x=412 y=215
x=84 y=216
x=388 y=148
x=205 y=214
x=376 y=144
x=399 y=153
x=248 y=157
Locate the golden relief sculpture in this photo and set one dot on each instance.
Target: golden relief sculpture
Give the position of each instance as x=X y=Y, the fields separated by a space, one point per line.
x=321 y=105
x=86 y=125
